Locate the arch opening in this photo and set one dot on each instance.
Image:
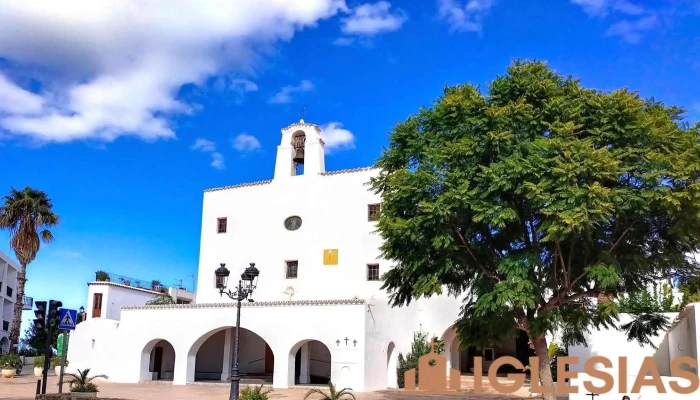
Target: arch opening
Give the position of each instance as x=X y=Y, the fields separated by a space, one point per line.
x=461 y=356
x=158 y=361
x=391 y=373
x=309 y=363
x=211 y=357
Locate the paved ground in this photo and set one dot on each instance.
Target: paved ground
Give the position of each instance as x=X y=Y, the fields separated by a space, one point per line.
x=23 y=388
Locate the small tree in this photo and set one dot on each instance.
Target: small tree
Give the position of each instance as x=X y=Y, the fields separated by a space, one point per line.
x=161 y=299
x=533 y=199
x=419 y=347
x=645 y=301
x=36 y=339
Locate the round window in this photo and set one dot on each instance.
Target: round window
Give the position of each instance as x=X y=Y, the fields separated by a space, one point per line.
x=292 y=223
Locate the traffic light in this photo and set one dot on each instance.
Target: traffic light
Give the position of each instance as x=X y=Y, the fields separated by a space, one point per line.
x=40 y=313
x=54 y=305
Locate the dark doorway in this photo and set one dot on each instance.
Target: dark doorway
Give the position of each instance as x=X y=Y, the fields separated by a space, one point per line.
x=158 y=361
x=523 y=352
x=269 y=360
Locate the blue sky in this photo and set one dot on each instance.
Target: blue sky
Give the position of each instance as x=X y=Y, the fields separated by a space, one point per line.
x=125 y=114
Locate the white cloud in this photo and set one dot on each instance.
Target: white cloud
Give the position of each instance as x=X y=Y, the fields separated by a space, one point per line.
x=344 y=41
x=629 y=30
x=372 y=19
x=285 y=94
x=207 y=146
x=204 y=145
x=71 y=254
x=217 y=161
x=632 y=31
x=245 y=143
x=468 y=17
x=15 y=100
x=601 y=8
x=336 y=137
x=102 y=78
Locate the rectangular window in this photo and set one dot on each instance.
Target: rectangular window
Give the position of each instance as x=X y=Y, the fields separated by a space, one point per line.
x=292 y=269
x=97 y=305
x=373 y=212
x=372 y=272
x=8 y=291
x=6 y=326
x=183 y=301
x=221 y=225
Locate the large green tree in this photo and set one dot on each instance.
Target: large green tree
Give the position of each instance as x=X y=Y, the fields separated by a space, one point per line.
x=535 y=197
x=27 y=214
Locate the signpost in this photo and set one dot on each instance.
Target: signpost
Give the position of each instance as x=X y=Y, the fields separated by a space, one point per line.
x=66 y=322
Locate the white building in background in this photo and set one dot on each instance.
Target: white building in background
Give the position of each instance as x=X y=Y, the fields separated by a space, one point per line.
x=319 y=312
x=8 y=296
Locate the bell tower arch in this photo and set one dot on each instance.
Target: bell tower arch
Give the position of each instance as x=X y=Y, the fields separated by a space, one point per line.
x=300 y=152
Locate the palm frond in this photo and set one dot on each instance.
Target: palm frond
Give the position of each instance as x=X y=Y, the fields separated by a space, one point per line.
x=312 y=392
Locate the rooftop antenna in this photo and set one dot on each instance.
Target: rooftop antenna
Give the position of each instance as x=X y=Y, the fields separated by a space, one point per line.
x=179 y=280
x=193 y=283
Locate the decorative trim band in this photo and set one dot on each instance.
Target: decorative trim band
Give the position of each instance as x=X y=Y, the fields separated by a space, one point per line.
x=104 y=283
x=348 y=171
x=267 y=182
x=232 y=304
x=240 y=185
x=301 y=124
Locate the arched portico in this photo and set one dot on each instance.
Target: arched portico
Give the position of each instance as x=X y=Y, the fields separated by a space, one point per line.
x=461 y=357
x=211 y=357
x=157 y=361
x=309 y=363
x=4 y=345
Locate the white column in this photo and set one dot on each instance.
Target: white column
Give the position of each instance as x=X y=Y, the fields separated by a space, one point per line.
x=184 y=368
x=228 y=355
x=304 y=368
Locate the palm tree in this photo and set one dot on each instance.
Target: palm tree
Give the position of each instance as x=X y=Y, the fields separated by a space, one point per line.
x=80 y=381
x=26 y=214
x=332 y=395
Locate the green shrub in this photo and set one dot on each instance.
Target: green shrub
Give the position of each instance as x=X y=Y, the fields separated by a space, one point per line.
x=256 y=393
x=56 y=362
x=82 y=383
x=39 y=362
x=9 y=361
x=419 y=347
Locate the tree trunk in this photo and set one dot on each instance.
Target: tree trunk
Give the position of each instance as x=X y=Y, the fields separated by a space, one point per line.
x=542 y=353
x=19 y=304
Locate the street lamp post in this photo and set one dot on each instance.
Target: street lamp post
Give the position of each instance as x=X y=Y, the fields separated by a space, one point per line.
x=245 y=288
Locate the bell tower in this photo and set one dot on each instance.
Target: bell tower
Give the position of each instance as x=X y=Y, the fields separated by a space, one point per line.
x=300 y=152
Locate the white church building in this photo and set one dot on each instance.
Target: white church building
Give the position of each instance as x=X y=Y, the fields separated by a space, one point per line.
x=318 y=312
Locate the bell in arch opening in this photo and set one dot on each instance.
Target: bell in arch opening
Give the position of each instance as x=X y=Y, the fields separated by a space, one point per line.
x=298 y=142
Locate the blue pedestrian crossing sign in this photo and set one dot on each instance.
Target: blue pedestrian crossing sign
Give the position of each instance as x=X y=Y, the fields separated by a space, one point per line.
x=67 y=319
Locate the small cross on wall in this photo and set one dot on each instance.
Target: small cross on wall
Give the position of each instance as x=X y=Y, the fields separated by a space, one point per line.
x=346 y=340
x=592 y=395
x=354 y=343
x=337 y=342
x=433 y=343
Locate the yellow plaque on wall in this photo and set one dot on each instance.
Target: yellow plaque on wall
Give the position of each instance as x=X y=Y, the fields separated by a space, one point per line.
x=330 y=257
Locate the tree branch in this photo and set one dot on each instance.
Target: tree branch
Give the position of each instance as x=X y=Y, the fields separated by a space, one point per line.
x=609 y=251
x=466 y=246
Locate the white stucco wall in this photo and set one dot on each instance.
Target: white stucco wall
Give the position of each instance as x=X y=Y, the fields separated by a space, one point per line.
x=613 y=344
x=116 y=296
x=333 y=209
x=118 y=351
